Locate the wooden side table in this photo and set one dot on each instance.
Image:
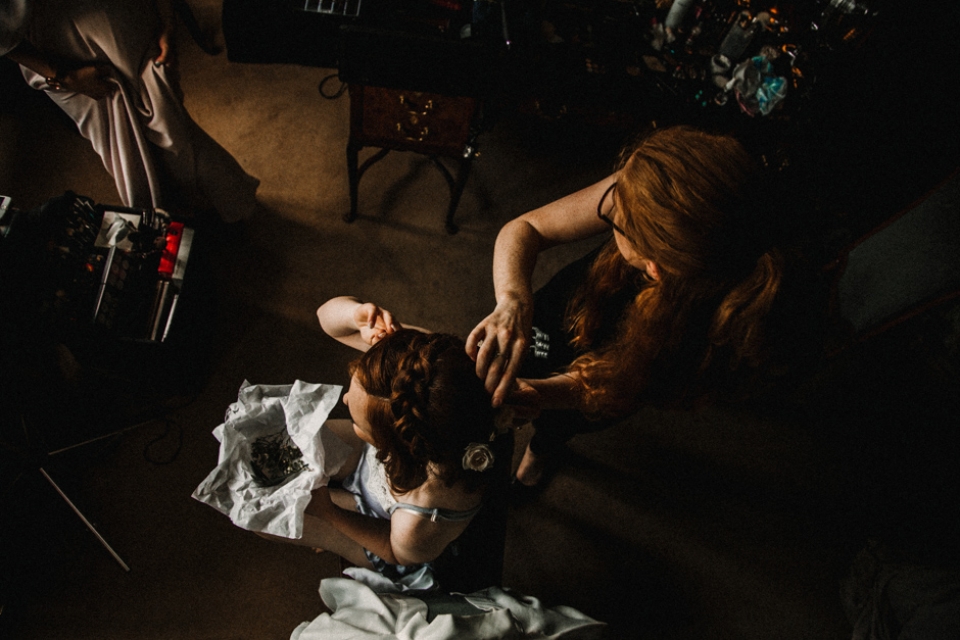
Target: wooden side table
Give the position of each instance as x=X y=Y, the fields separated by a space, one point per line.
x=431 y=124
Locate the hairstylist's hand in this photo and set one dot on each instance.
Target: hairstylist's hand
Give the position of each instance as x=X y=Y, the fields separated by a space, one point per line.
x=92 y=80
x=499 y=343
x=524 y=401
x=374 y=323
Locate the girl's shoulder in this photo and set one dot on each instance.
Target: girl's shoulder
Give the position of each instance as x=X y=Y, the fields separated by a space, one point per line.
x=435 y=494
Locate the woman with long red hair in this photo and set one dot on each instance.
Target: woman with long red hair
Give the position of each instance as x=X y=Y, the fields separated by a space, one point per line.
x=671 y=311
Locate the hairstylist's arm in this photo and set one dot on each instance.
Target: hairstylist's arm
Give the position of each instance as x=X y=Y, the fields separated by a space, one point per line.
x=498 y=344
x=530 y=396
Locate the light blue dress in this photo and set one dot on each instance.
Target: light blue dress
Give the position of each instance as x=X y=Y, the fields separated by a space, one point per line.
x=368 y=483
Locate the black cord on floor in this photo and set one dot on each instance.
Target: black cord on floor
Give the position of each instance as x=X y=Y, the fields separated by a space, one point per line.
x=169 y=425
x=331 y=96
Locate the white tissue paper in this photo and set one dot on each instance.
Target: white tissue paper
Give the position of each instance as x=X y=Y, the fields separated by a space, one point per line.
x=261 y=481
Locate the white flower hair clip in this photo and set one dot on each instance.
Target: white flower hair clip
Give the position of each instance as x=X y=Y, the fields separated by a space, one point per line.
x=477 y=457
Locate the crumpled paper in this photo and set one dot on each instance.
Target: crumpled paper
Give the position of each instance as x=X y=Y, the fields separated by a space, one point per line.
x=274 y=502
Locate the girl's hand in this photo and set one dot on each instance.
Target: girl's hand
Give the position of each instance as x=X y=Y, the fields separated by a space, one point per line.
x=374 y=323
x=321 y=505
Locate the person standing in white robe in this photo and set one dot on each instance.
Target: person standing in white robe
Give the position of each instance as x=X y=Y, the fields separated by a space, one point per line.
x=110 y=65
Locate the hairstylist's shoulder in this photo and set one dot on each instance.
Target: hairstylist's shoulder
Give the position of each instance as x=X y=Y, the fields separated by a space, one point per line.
x=570 y=218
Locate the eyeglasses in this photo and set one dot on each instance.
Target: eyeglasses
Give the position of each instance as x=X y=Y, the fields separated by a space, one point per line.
x=605 y=217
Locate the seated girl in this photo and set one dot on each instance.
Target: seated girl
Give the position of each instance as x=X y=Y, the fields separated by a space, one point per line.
x=421 y=424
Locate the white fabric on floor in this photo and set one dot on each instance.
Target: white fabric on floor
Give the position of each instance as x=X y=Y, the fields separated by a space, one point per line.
x=358 y=613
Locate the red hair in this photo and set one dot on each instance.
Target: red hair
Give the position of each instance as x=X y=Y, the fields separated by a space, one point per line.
x=687 y=200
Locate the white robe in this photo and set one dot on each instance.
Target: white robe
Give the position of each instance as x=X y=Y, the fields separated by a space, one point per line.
x=146 y=138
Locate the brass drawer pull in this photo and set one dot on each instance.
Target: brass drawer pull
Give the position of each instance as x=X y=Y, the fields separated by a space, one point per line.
x=413 y=107
x=408 y=134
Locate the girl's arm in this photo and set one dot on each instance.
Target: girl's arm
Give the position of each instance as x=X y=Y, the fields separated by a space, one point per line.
x=358 y=324
x=372 y=534
x=407 y=538
x=355 y=323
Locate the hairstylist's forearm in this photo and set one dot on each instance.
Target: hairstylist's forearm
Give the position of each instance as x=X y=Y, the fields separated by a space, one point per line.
x=561 y=391
x=514 y=259
x=521 y=240
x=498 y=343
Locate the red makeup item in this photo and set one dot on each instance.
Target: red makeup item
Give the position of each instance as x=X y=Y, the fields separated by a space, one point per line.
x=169 y=256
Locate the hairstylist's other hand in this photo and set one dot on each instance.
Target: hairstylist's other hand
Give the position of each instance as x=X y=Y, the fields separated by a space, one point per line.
x=525 y=402
x=374 y=323
x=498 y=345
x=93 y=80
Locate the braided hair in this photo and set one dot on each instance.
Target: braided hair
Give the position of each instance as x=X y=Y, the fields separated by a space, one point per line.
x=430 y=407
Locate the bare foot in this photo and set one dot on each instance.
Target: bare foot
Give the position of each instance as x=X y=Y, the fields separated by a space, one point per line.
x=531 y=468
x=319 y=550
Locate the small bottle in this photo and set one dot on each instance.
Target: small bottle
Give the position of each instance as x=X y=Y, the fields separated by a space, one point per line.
x=739 y=36
x=678 y=11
